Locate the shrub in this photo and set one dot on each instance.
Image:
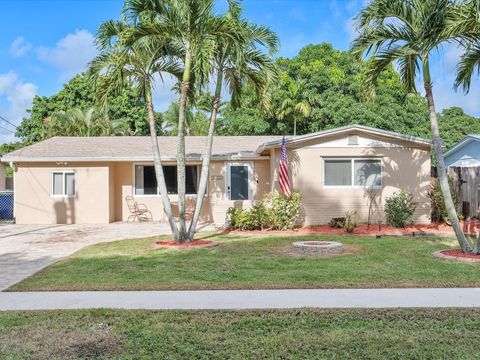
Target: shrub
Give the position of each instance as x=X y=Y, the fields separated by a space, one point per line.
x=253 y=218
x=275 y=212
x=399 y=209
x=283 y=211
x=350 y=221
x=338 y=222
x=232 y=217
x=439 y=212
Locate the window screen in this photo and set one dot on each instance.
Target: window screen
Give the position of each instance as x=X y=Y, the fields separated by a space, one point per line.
x=69 y=184
x=57 y=186
x=63 y=183
x=368 y=173
x=338 y=172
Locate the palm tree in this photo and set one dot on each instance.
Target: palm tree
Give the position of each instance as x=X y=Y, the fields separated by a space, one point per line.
x=407 y=32
x=298 y=102
x=196 y=122
x=191 y=26
x=137 y=63
x=237 y=61
x=467 y=22
x=76 y=122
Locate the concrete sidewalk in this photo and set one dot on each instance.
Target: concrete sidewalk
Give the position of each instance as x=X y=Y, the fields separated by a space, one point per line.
x=243 y=299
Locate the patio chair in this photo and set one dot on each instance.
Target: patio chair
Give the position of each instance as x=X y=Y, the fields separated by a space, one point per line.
x=137 y=211
x=190 y=202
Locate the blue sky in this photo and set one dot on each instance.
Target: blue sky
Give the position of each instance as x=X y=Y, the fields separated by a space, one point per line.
x=45 y=42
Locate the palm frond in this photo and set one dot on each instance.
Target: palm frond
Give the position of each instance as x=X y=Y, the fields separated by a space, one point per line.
x=469 y=63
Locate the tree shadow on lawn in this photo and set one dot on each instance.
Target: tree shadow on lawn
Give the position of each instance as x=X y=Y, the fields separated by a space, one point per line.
x=246 y=262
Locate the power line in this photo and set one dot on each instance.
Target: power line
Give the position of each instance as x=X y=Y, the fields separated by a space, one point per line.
x=8 y=122
x=1 y=127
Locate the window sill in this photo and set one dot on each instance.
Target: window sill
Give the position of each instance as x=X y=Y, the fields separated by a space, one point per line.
x=351 y=187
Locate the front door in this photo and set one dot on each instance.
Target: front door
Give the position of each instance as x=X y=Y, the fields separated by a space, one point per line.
x=238 y=181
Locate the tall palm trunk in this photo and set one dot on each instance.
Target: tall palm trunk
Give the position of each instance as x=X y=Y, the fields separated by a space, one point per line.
x=202 y=188
x=441 y=169
x=158 y=163
x=182 y=228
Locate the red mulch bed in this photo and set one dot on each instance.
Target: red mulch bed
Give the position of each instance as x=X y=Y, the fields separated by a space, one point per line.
x=200 y=243
x=361 y=229
x=460 y=254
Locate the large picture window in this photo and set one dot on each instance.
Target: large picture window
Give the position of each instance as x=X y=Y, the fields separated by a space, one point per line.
x=353 y=172
x=146 y=179
x=63 y=183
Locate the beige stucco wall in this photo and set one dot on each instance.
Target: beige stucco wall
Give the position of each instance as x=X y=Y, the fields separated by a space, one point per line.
x=3 y=176
x=404 y=168
x=35 y=205
x=215 y=204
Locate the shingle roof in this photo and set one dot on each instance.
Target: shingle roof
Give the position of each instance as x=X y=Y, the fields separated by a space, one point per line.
x=139 y=148
x=118 y=148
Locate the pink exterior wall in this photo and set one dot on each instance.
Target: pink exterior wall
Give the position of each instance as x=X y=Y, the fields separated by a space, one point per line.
x=34 y=203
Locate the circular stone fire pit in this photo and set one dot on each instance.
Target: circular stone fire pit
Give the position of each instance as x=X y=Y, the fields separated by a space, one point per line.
x=317 y=247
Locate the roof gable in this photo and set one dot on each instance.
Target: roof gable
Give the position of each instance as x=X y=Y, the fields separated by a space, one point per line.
x=464 y=142
x=351 y=129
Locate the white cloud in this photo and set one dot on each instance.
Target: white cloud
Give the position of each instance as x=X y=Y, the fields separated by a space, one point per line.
x=15 y=98
x=352 y=32
x=70 y=54
x=19 y=47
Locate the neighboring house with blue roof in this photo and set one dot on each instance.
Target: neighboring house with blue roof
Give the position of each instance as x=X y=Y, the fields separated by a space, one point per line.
x=466 y=153
x=463 y=161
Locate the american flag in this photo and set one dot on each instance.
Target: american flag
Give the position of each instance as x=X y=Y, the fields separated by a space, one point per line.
x=283 y=178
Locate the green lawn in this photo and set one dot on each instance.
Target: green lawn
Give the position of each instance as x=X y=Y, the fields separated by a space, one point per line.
x=247 y=262
x=276 y=334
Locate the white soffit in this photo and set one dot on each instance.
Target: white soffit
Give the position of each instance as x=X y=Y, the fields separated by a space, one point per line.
x=363 y=142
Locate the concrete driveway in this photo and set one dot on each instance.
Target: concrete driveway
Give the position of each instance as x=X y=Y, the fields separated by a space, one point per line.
x=26 y=249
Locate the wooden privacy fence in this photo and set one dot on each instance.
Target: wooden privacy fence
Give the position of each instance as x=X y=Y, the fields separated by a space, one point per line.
x=466 y=182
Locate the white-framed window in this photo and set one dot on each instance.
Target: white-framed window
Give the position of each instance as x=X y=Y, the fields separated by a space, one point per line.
x=352 y=172
x=238 y=182
x=62 y=183
x=145 y=179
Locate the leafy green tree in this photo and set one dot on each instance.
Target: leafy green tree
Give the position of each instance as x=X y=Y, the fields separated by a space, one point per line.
x=336 y=78
x=454 y=126
x=298 y=102
x=407 y=32
x=79 y=93
x=76 y=122
x=196 y=122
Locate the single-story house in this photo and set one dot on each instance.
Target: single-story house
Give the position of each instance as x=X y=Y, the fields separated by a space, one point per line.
x=86 y=180
x=465 y=153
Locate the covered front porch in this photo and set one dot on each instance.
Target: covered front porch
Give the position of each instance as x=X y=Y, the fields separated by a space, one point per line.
x=230 y=184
